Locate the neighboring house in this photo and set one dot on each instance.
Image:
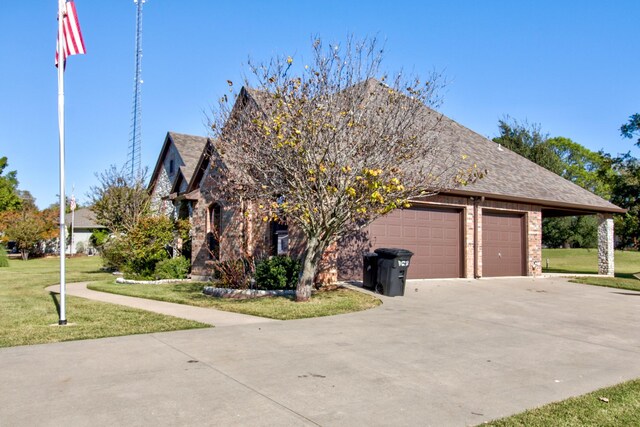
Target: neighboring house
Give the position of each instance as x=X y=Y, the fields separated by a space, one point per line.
x=83 y=223
x=487 y=229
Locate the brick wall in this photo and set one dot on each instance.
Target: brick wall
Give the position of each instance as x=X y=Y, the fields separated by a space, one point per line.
x=243 y=233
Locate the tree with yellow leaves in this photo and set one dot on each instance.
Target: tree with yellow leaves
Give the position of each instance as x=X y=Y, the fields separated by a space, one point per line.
x=331 y=145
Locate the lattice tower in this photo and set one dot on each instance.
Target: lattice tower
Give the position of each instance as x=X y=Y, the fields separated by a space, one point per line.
x=135 y=135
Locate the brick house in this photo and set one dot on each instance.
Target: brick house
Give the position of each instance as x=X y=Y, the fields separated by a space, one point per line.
x=179 y=156
x=490 y=228
x=487 y=229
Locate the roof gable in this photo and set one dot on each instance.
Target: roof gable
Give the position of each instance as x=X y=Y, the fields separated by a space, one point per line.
x=189 y=149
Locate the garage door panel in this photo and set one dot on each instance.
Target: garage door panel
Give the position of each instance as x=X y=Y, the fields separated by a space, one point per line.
x=451 y=251
x=410 y=231
x=503 y=251
x=452 y=234
x=378 y=230
x=394 y=230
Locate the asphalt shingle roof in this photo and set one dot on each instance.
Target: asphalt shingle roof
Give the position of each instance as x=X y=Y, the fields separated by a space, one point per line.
x=190 y=148
x=83 y=218
x=509 y=176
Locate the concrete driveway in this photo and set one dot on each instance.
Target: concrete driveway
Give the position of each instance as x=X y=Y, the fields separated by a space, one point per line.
x=448 y=353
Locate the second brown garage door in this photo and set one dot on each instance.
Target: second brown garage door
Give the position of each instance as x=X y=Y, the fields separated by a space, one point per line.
x=503 y=251
x=433 y=235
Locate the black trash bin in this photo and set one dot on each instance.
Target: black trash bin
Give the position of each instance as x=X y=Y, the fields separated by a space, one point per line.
x=393 y=265
x=369 y=270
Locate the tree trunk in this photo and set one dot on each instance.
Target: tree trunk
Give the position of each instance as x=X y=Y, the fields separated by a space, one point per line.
x=25 y=254
x=310 y=259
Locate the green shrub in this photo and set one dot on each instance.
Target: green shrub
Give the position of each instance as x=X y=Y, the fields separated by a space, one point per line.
x=148 y=243
x=174 y=268
x=4 y=260
x=279 y=272
x=138 y=252
x=115 y=252
x=98 y=238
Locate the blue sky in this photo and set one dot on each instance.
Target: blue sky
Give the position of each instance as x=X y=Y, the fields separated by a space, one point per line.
x=571 y=66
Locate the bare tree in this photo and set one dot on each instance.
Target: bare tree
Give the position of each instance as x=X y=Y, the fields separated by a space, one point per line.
x=328 y=148
x=119 y=201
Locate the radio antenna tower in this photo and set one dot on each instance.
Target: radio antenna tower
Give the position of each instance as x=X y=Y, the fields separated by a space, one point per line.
x=135 y=136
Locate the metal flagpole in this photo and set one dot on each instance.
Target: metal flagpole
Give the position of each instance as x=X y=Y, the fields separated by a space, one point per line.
x=71 y=242
x=72 y=206
x=61 y=61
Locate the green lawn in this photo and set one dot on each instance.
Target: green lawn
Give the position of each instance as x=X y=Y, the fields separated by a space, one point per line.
x=326 y=302
x=28 y=311
x=586 y=261
x=627 y=263
x=591 y=410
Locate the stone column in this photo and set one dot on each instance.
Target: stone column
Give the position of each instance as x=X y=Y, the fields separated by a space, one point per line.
x=605 y=244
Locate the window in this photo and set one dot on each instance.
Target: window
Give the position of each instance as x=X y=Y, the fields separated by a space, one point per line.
x=214 y=227
x=171 y=167
x=279 y=238
x=282 y=240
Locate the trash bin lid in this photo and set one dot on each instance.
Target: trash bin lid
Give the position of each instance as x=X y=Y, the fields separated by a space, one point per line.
x=370 y=255
x=393 y=252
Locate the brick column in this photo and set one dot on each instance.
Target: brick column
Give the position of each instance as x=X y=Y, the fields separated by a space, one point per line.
x=605 y=244
x=534 y=242
x=328 y=269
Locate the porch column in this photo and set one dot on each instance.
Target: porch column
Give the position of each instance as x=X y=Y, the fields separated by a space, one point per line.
x=605 y=244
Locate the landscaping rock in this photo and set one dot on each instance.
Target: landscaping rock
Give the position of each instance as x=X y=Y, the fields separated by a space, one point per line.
x=244 y=293
x=122 y=280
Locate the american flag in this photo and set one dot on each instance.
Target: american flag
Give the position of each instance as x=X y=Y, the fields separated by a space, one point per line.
x=72 y=36
x=72 y=203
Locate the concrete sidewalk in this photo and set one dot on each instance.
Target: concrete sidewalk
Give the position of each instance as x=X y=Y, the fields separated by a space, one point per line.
x=448 y=353
x=209 y=316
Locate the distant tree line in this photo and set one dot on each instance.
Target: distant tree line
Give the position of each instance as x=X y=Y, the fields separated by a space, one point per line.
x=613 y=178
x=21 y=222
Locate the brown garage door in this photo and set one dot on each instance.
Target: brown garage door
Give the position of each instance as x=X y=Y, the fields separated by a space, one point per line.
x=502 y=244
x=433 y=235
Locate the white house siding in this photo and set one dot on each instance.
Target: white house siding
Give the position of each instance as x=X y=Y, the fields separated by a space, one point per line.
x=81 y=237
